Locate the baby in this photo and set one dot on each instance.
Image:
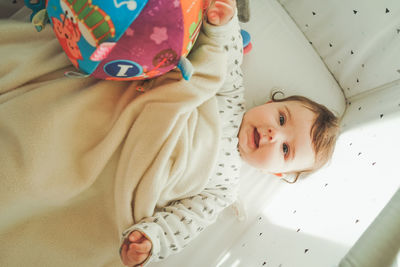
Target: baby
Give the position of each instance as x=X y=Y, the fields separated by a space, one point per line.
x=288 y=136
x=285 y=137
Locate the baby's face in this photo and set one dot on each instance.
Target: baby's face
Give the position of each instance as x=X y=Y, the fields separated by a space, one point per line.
x=275 y=137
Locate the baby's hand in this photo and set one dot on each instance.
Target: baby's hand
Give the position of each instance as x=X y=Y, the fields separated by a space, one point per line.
x=220 y=12
x=135 y=249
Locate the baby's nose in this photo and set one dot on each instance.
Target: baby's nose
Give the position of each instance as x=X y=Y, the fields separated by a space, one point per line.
x=270 y=135
x=274 y=135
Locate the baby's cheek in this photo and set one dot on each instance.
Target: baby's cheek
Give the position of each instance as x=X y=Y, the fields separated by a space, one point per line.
x=269 y=159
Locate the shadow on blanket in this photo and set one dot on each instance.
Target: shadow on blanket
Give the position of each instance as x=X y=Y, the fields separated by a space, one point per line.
x=83 y=159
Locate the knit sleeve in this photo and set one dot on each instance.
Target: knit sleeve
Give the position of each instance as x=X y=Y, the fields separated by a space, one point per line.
x=173 y=227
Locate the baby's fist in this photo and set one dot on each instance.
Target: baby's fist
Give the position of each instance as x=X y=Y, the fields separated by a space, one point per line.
x=220 y=12
x=136 y=249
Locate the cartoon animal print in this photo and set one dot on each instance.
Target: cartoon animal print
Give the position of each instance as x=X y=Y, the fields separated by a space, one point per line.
x=68 y=35
x=94 y=24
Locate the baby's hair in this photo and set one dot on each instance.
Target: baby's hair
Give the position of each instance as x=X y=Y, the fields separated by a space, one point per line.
x=324 y=131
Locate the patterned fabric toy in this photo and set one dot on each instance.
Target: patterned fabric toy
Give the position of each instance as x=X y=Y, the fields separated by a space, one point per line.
x=247 y=46
x=123 y=39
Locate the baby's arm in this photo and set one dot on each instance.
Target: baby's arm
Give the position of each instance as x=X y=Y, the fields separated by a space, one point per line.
x=230 y=95
x=172 y=228
x=232 y=43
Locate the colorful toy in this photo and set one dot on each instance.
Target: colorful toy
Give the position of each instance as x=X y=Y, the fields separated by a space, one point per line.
x=247 y=46
x=123 y=39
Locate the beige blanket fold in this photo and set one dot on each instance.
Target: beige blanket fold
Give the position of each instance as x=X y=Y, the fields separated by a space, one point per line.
x=83 y=159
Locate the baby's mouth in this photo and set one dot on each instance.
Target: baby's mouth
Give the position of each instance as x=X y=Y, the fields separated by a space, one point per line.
x=256 y=137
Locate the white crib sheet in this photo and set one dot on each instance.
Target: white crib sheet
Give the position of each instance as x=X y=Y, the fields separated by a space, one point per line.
x=282 y=57
x=358 y=40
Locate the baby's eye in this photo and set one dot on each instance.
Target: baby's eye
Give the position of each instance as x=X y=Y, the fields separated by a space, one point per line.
x=285 y=149
x=281 y=119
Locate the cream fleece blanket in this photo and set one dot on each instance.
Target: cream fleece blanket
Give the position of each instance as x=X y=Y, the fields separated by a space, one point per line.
x=83 y=159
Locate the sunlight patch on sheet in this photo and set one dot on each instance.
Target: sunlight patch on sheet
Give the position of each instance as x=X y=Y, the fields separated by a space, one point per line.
x=224 y=259
x=340 y=201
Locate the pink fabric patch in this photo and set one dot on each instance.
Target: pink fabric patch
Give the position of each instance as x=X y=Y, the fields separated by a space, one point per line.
x=102 y=51
x=159 y=35
x=129 y=32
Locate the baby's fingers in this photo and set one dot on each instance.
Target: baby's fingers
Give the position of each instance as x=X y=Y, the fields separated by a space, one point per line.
x=135 y=236
x=227 y=4
x=124 y=254
x=213 y=17
x=231 y=3
x=225 y=9
x=135 y=257
x=143 y=247
x=220 y=12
